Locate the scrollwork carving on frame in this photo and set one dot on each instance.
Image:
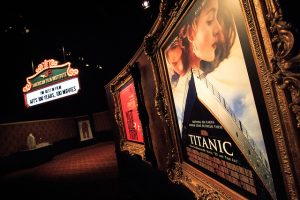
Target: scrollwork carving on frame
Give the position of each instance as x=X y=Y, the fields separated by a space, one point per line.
x=161 y=105
x=116 y=84
x=174 y=170
x=149 y=48
x=134 y=149
x=285 y=71
x=201 y=191
x=205 y=193
x=205 y=188
x=284 y=67
x=117 y=114
x=114 y=89
x=167 y=9
x=286 y=63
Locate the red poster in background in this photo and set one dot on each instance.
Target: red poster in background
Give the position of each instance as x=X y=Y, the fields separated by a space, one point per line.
x=132 y=123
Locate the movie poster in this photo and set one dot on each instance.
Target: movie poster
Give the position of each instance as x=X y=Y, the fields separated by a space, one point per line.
x=132 y=123
x=216 y=112
x=85 y=130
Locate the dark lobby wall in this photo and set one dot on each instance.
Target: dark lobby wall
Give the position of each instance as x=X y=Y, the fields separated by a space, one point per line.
x=102 y=121
x=13 y=136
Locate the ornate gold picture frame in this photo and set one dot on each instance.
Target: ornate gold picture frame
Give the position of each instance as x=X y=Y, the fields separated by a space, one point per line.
x=132 y=145
x=247 y=97
x=130 y=113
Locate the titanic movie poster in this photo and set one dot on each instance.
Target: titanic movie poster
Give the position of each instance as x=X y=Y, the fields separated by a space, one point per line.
x=132 y=123
x=216 y=112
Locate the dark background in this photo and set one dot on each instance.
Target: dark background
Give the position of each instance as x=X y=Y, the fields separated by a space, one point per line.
x=106 y=34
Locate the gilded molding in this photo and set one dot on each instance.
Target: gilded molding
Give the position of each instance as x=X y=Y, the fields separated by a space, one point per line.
x=161 y=105
x=266 y=85
x=174 y=170
x=149 y=45
x=286 y=74
x=150 y=40
x=160 y=99
x=167 y=8
x=114 y=90
x=149 y=48
x=205 y=193
x=133 y=148
x=285 y=64
x=202 y=188
x=118 y=117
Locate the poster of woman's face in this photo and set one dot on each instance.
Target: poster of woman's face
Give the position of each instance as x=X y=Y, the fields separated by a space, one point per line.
x=215 y=106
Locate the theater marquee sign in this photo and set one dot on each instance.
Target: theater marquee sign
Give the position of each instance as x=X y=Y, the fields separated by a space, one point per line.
x=50 y=82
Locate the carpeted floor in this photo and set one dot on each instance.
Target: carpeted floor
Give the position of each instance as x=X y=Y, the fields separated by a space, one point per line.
x=89 y=172
x=85 y=173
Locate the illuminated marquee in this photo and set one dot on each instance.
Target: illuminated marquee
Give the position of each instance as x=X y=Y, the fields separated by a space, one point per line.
x=50 y=82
